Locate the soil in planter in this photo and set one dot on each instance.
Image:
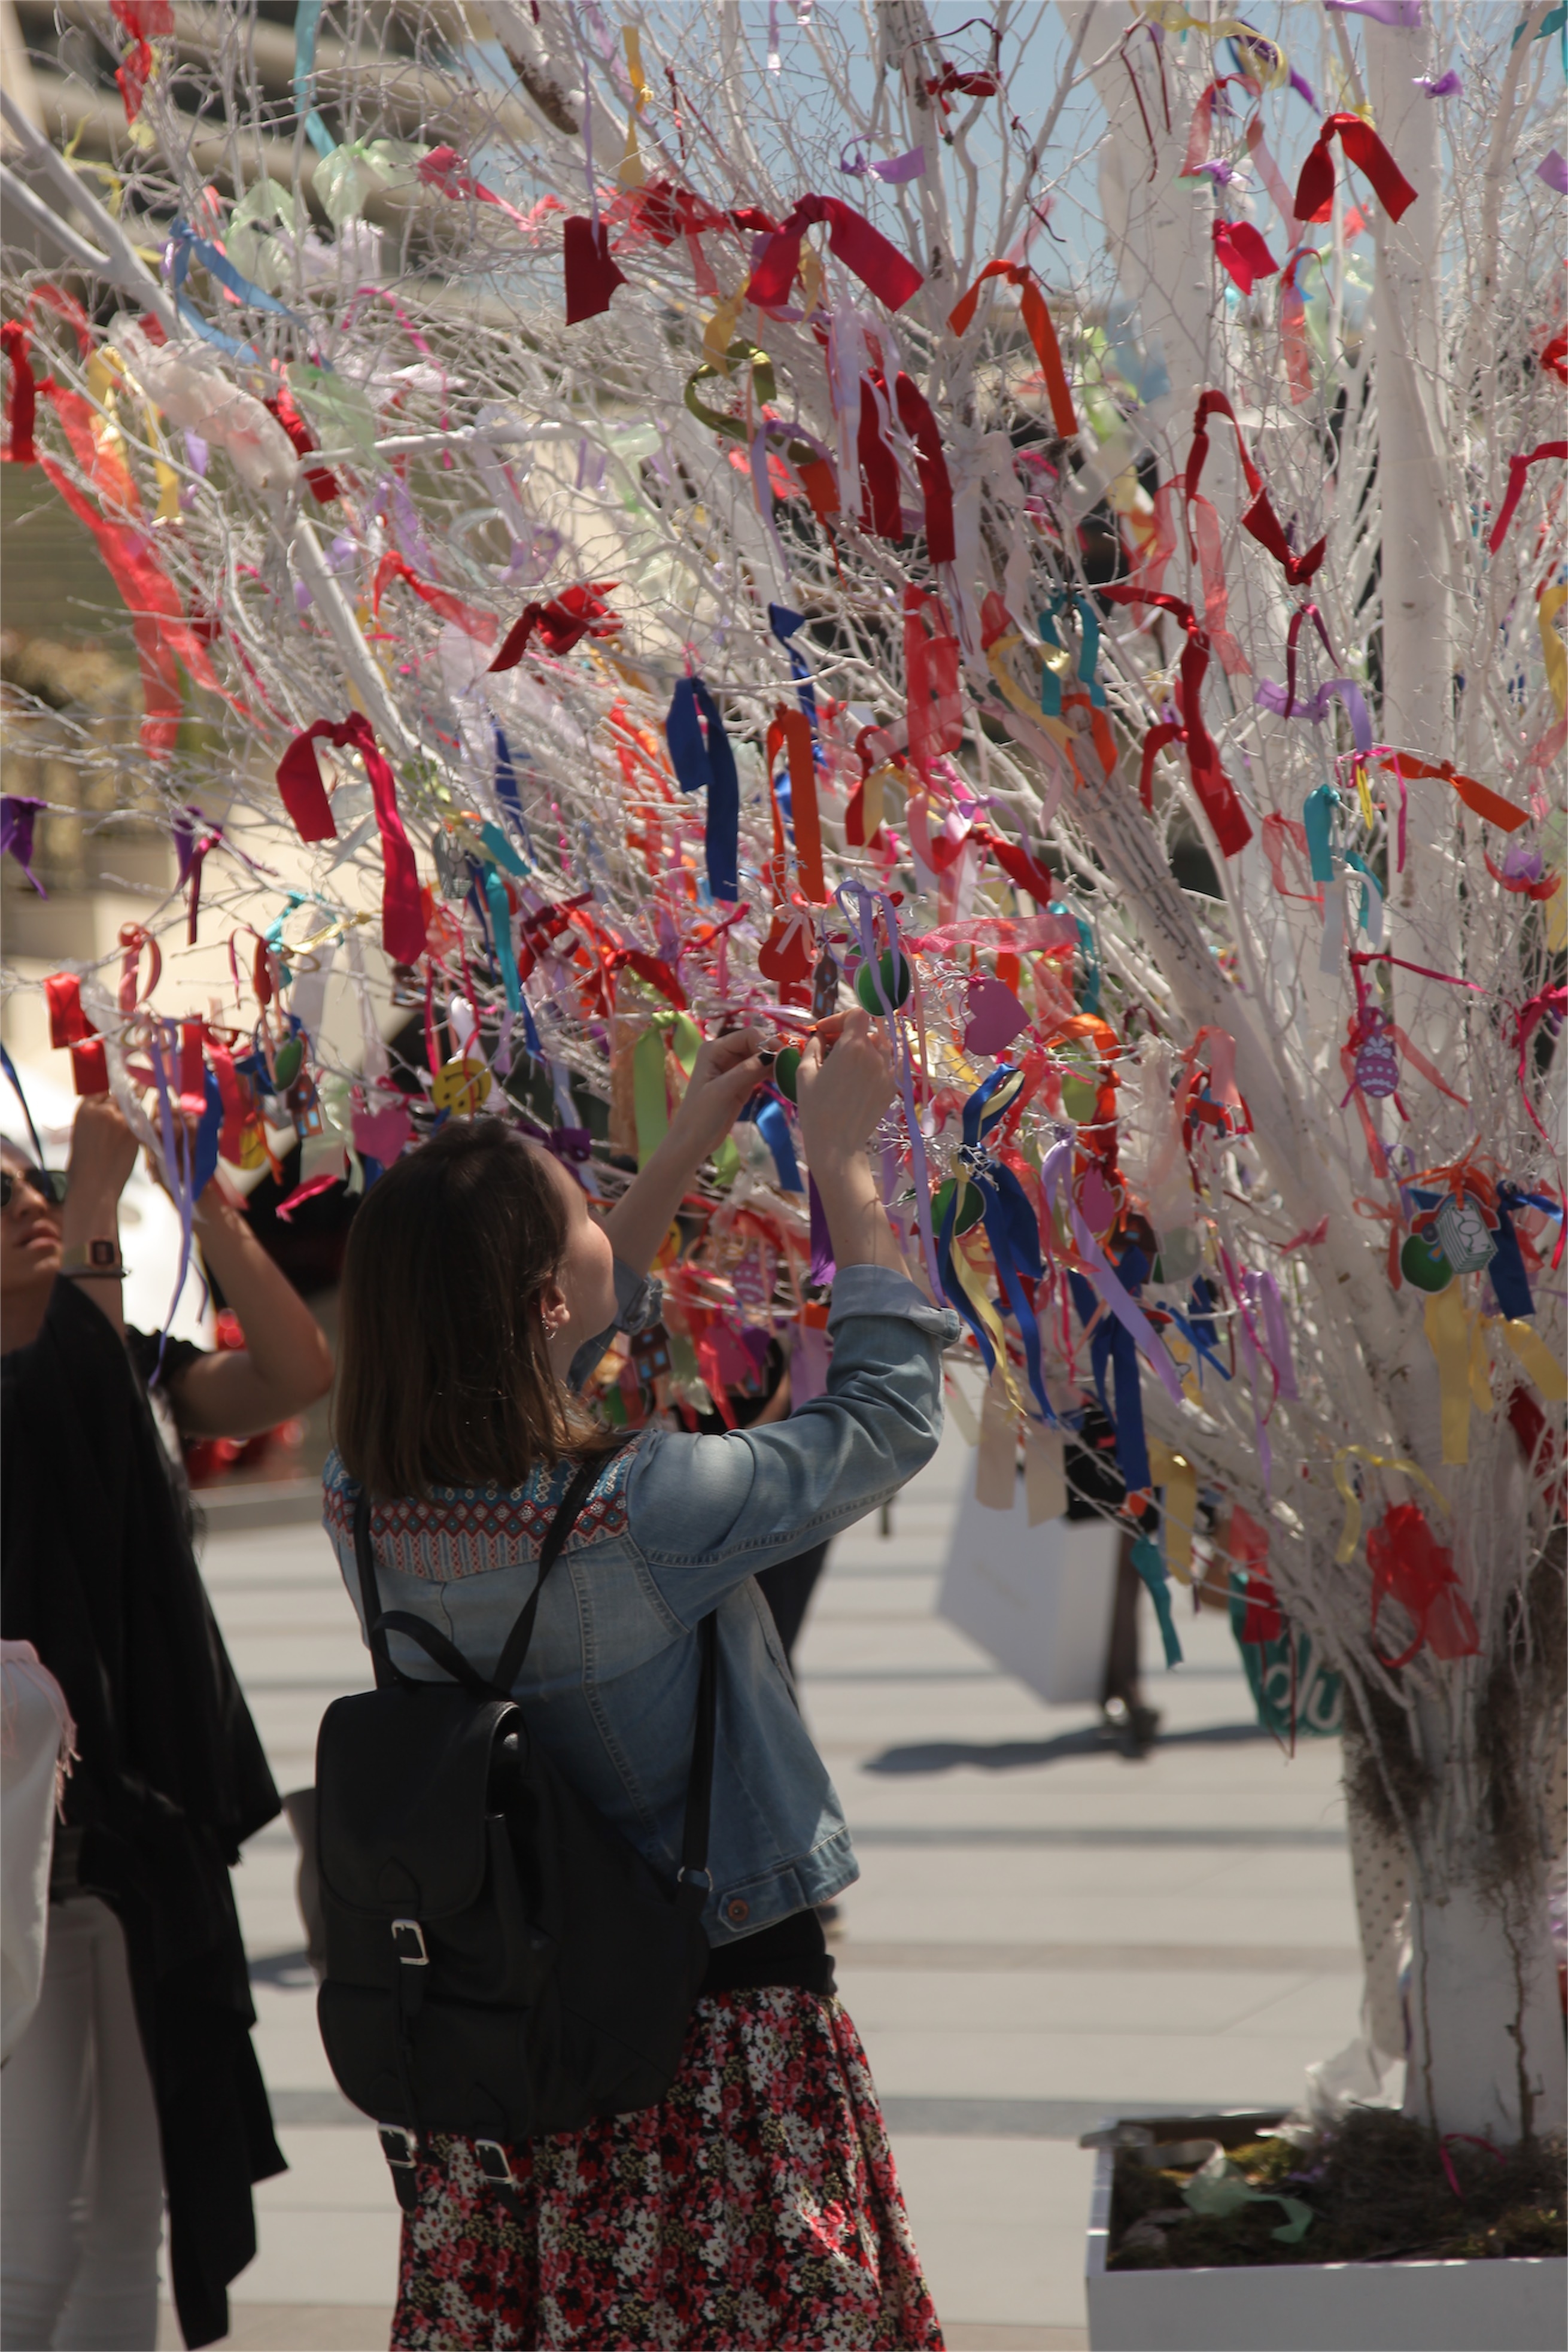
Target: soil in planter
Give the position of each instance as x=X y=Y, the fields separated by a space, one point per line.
x=1378 y=2190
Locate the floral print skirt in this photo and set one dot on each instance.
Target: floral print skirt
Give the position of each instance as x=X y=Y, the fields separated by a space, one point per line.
x=755 y=2206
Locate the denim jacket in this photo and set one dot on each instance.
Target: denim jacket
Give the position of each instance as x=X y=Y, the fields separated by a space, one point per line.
x=672 y=1530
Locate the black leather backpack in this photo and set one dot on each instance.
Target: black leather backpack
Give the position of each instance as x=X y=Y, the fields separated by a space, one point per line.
x=501 y=1962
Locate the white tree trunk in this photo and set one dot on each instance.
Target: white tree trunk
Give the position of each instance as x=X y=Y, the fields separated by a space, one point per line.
x=1486 y=2022
x=1417 y=624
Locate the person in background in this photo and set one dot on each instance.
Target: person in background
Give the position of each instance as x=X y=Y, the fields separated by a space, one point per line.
x=757 y=2204
x=1095 y=1491
x=136 y=2077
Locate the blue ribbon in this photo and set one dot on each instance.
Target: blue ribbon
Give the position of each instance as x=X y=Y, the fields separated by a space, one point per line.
x=703 y=761
x=1150 y=1564
x=218 y=264
x=784 y=624
x=306 y=18
x=772 y=1126
x=1089 y=998
x=1112 y=1346
x=500 y=930
x=1010 y=1228
x=507 y=794
x=1510 y=1284
x=1318 y=818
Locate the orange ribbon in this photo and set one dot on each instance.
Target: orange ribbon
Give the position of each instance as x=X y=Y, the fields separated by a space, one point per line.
x=1041 y=334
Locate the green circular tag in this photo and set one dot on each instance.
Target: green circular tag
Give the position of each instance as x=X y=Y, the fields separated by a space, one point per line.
x=895 y=982
x=1423 y=1263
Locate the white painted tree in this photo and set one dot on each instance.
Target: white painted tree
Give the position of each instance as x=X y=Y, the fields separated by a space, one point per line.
x=1305 y=908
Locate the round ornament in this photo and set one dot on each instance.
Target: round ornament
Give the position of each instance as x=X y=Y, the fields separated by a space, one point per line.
x=461 y=1086
x=897 y=981
x=1376 y=1063
x=786 y=1071
x=286 y=1063
x=1080 y=1092
x=971 y=1207
x=1423 y=1263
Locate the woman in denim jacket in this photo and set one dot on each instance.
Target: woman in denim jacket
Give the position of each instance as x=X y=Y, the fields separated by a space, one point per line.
x=757 y=2205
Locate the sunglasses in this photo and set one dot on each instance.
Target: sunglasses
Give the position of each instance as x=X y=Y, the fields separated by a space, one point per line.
x=49 y=1183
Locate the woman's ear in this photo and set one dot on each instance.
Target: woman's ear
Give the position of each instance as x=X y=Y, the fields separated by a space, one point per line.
x=552 y=1309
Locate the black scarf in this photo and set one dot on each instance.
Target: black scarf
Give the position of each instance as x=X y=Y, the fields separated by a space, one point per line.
x=99 y=1573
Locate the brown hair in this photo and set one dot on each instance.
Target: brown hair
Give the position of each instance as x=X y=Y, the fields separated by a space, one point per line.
x=443 y=1375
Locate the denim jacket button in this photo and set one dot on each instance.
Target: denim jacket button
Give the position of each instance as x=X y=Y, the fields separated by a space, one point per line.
x=736 y=1911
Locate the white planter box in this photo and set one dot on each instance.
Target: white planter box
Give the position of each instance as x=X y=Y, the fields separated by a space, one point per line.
x=1517 y=2306
x=1038 y=1600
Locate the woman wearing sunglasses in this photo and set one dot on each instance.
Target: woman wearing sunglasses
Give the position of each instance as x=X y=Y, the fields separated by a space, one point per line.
x=136 y=2079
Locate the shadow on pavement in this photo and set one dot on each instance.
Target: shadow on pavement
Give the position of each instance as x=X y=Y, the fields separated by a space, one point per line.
x=1008 y=1755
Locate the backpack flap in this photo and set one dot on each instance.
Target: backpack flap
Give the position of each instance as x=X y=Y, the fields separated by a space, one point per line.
x=403 y=1779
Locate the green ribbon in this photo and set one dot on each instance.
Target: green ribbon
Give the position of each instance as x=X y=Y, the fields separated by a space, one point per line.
x=650 y=1101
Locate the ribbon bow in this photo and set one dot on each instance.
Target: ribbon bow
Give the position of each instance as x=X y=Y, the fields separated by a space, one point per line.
x=304 y=797
x=889 y=275
x=1362 y=147
x=1409 y=1566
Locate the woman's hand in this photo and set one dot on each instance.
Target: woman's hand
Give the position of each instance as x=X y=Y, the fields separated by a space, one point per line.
x=726 y=1073
x=844 y=1085
x=102 y=1157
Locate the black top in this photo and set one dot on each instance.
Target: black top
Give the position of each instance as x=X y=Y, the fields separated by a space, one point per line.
x=794 y=1951
x=96 y=1570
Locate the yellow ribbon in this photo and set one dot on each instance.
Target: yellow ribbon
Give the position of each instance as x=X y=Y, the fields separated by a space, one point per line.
x=1537 y=1359
x=1448 y=1337
x=1177 y=1474
x=1021 y=702
x=1350 y=1534
x=650 y=1094
x=974 y=1290
x=1177 y=20
x=1552 y=652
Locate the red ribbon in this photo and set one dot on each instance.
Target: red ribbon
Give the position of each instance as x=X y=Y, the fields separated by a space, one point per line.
x=1241 y=251
x=1213 y=786
x=445 y=169
x=791 y=732
x=89 y=1069
x=1487 y=805
x=931 y=679
x=299 y=782
x=1408 y=1567
x=591 y=276
x=936 y=485
x=1517 y=469
x=1037 y=324
x=21 y=406
x=158 y=621
x=881 y=511
x=1019 y=866
x=889 y=275
x=576 y=614
x=1362 y=147
x=440 y=600
x=1552 y=1004
x=68 y=1025
x=1259 y=519
x=323 y=482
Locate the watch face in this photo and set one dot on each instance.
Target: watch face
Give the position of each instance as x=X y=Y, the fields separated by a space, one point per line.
x=102 y=1253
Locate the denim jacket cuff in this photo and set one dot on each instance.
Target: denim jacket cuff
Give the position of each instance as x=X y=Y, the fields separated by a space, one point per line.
x=877 y=1290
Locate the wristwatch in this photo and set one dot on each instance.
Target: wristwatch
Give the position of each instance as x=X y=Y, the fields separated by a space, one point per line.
x=97 y=1260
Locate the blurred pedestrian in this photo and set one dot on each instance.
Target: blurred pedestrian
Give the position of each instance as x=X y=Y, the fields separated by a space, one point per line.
x=136 y=2077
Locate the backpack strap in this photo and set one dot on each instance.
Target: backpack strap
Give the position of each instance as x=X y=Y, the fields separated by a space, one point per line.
x=514 y=1649
x=381 y=1622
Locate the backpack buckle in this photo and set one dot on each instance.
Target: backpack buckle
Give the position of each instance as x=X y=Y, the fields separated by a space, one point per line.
x=408 y=1943
x=495 y=2164
x=399 y=2145
x=699 y=1877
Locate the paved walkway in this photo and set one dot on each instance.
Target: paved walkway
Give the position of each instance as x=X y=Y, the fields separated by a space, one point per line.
x=1044 y=1933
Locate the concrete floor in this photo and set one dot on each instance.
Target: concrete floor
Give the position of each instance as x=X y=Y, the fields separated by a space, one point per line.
x=1044 y=1933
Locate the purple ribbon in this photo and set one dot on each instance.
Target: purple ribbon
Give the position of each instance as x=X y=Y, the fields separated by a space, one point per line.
x=858 y=903
x=1447 y=85
x=1272 y=696
x=896 y=170
x=1402 y=15
x=1554 y=172
x=18 y=814
x=1104 y=1276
